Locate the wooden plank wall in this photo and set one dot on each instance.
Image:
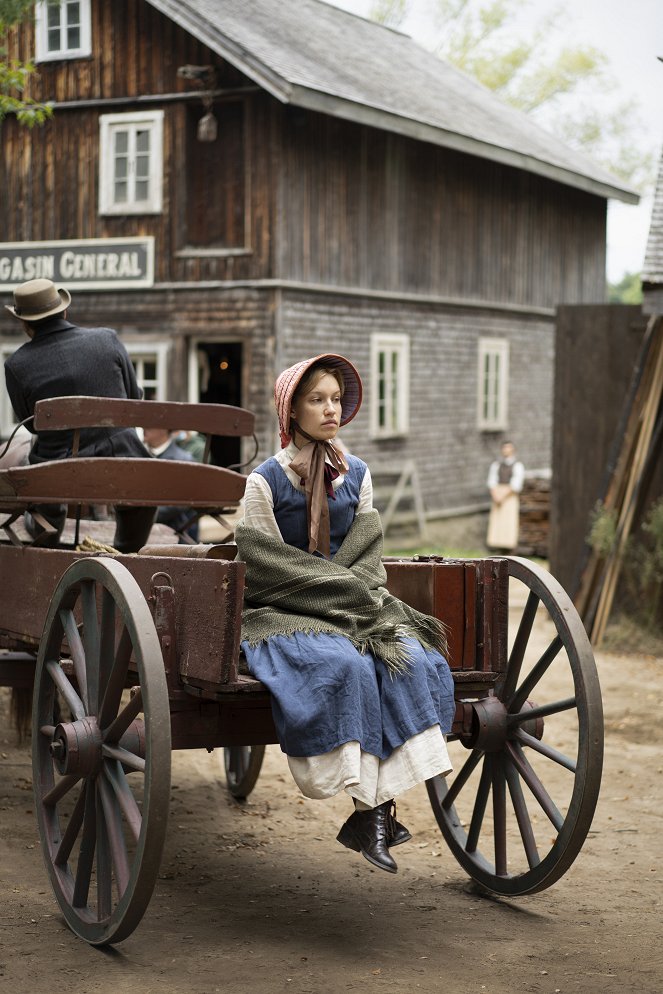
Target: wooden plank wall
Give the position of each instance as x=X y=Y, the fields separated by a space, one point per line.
x=365 y=208
x=596 y=349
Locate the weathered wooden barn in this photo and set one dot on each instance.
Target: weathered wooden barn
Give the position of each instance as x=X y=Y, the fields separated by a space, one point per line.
x=236 y=184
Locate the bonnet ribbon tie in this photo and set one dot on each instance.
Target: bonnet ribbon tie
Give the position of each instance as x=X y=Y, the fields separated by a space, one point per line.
x=316 y=476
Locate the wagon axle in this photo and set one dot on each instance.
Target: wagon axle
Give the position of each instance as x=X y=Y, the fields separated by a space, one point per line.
x=487 y=726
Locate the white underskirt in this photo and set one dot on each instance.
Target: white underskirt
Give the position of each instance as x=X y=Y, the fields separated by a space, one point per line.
x=367 y=778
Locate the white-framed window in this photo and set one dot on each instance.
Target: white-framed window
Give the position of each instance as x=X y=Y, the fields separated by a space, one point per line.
x=62 y=30
x=150 y=364
x=131 y=163
x=8 y=419
x=493 y=384
x=390 y=385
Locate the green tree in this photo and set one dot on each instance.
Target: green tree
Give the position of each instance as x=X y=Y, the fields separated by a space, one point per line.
x=15 y=75
x=485 y=40
x=627 y=291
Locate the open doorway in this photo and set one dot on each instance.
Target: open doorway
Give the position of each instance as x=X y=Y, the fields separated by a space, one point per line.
x=216 y=378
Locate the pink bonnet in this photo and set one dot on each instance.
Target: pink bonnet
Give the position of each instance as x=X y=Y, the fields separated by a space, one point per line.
x=288 y=381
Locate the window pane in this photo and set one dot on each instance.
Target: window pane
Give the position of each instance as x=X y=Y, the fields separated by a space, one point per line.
x=121 y=164
x=120 y=192
x=142 y=166
x=150 y=369
x=121 y=142
x=53 y=16
x=142 y=190
x=142 y=141
x=73 y=38
x=73 y=12
x=54 y=40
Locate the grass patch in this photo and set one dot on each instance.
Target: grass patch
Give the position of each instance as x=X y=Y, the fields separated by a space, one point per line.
x=624 y=635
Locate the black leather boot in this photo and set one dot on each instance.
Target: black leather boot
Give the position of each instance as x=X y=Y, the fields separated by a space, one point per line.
x=396 y=833
x=366 y=832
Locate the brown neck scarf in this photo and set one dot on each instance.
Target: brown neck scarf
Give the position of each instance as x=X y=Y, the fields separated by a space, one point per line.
x=316 y=476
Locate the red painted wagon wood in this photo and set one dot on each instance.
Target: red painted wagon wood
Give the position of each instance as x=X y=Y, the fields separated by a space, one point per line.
x=208 y=603
x=62 y=413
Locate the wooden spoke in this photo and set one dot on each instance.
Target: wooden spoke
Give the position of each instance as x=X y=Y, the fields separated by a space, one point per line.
x=479 y=806
x=116 y=730
x=499 y=815
x=116 y=681
x=125 y=757
x=462 y=778
x=91 y=641
x=104 y=864
x=555 y=707
x=60 y=790
x=536 y=674
x=520 y=646
x=73 y=701
x=106 y=641
x=534 y=783
x=115 y=835
x=77 y=651
x=522 y=816
x=71 y=832
x=557 y=757
x=118 y=781
x=86 y=855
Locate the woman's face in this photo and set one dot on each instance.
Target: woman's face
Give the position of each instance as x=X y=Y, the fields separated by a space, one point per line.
x=318 y=412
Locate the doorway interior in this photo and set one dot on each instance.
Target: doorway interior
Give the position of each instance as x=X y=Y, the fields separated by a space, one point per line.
x=216 y=378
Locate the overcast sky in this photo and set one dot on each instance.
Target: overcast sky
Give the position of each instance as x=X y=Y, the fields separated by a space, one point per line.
x=630 y=34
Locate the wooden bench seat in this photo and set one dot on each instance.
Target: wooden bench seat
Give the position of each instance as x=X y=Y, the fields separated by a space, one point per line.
x=128 y=482
x=134 y=482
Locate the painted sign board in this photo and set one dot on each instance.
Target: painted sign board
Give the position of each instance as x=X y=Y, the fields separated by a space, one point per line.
x=86 y=264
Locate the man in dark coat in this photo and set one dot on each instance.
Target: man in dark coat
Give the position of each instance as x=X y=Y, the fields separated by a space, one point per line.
x=63 y=360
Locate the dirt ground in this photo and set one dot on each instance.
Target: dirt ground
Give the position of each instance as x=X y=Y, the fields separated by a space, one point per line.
x=260 y=897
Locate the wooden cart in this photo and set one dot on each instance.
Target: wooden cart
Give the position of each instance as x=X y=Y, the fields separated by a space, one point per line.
x=133 y=656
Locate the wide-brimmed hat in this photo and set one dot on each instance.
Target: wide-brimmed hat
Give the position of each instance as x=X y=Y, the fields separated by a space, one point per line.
x=288 y=381
x=38 y=299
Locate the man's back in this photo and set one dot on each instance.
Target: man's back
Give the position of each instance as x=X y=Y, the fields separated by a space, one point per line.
x=63 y=360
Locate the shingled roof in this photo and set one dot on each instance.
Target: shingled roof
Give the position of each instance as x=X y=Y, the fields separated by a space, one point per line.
x=652 y=270
x=311 y=54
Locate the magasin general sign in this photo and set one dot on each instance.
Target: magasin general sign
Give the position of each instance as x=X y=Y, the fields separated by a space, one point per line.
x=88 y=264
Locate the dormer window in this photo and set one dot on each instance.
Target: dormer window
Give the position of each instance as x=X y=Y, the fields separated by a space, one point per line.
x=62 y=30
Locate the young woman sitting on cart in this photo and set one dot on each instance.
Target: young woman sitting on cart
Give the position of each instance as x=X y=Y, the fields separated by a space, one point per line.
x=362 y=695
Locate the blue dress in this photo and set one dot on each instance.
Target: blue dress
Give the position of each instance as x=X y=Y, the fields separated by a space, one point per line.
x=324 y=691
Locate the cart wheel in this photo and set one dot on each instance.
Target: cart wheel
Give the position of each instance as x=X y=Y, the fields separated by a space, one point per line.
x=542 y=729
x=101 y=750
x=242 y=765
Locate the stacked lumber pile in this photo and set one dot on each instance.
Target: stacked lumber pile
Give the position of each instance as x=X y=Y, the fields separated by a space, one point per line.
x=534 y=517
x=635 y=453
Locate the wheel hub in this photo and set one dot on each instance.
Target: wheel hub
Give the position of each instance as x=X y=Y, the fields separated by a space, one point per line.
x=76 y=747
x=487 y=727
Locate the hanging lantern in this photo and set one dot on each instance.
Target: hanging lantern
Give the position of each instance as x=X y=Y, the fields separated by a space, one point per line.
x=208 y=128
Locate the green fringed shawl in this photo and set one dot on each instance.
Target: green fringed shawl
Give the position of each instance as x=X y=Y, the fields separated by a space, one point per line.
x=290 y=591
